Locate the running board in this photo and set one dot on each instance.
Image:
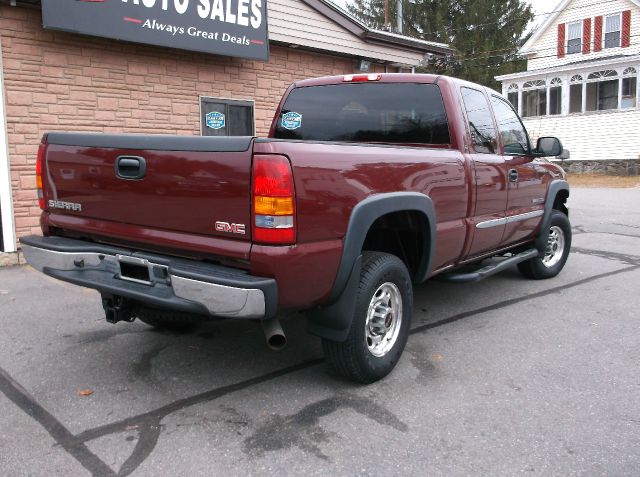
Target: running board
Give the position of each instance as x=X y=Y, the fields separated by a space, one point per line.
x=489 y=270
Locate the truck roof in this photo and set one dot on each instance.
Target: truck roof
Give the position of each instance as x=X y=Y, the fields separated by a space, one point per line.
x=390 y=78
x=383 y=78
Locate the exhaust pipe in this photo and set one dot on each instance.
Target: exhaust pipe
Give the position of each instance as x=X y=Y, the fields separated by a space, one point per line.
x=276 y=340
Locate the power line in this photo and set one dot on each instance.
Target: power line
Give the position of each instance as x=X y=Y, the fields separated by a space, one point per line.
x=448 y=30
x=482 y=56
x=551 y=48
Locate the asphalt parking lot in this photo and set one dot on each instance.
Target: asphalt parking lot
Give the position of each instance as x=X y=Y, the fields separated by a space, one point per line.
x=502 y=377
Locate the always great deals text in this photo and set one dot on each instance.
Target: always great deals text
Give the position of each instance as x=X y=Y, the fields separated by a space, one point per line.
x=193 y=31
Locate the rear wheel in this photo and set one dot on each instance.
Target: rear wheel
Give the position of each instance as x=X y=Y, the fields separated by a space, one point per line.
x=381 y=322
x=168 y=320
x=556 y=253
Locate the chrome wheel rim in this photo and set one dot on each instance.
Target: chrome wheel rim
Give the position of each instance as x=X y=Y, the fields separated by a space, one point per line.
x=555 y=247
x=384 y=318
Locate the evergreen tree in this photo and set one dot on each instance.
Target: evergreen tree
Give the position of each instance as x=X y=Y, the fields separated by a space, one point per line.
x=485 y=34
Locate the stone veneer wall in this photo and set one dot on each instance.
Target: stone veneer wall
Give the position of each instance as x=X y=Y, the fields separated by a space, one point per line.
x=629 y=167
x=66 y=82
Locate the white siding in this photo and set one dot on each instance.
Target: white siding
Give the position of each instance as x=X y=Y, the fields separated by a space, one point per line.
x=600 y=135
x=294 y=22
x=546 y=45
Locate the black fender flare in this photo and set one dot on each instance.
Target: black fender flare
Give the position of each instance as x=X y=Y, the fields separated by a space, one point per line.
x=555 y=187
x=332 y=320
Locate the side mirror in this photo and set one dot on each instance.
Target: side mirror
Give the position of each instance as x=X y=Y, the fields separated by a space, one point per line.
x=549 y=146
x=565 y=155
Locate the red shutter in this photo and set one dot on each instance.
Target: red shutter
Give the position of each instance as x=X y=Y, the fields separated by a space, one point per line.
x=561 y=28
x=586 y=36
x=626 y=28
x=597 y=34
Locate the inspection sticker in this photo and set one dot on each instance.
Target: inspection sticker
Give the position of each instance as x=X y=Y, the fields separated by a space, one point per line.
x=215 y=120
x=292 y=121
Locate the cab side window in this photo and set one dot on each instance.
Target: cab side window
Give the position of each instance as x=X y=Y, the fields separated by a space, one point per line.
x=483 y=132
x=514 y=135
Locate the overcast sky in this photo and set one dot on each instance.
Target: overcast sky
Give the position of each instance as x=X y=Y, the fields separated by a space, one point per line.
x=539 y=7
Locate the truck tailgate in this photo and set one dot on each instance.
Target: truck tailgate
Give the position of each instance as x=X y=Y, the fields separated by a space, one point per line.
x=173 y=183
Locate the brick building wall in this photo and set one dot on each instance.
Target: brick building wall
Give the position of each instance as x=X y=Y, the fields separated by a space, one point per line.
x=67 y=82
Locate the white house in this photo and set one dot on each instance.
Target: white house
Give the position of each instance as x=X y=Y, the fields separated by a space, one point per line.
x=581 y=83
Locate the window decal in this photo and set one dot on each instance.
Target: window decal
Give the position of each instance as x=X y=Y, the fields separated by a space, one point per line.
x=292 y=121
x=215 y=120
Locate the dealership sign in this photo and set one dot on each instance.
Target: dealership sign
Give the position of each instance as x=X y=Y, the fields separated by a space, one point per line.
x=222 y=27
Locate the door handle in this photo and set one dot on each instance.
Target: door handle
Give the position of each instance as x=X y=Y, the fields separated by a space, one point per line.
x=131 y=168
x=513 y=175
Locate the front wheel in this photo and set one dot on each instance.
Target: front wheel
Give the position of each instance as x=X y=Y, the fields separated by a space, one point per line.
x=381 y=321
x=556 y=253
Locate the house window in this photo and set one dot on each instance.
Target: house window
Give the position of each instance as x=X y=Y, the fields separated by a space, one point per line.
x=555 y=96
x=512 y=95
x=575 y=94
x=226 y=117
x=629 y=88
x=612 y=31
x=602 y=91
x=534 y=98
x=574 y=36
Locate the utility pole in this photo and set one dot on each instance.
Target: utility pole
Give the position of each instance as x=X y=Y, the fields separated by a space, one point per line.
x=386 y=14
x=400 y=16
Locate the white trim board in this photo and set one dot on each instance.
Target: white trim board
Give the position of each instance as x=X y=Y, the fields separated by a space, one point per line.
x=631 y=60
x=6 y=199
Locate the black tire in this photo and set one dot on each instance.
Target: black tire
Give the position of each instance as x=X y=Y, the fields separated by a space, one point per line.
x=168 y=320
x=552 y=262
x=353 y=358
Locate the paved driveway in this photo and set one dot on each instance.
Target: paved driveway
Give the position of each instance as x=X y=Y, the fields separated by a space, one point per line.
x=503 y=377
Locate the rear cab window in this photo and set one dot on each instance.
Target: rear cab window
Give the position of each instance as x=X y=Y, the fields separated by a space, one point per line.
x=390 y=113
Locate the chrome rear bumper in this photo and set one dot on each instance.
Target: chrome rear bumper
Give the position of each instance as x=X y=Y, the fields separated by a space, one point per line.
x=160 y=281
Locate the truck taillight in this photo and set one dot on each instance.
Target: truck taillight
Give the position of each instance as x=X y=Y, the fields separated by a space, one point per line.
x=273 y=201
x=39 y=161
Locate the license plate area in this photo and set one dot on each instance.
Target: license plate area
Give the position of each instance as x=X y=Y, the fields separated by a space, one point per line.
x=135 y=270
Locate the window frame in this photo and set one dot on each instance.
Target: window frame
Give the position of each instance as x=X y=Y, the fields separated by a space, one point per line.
x=514 y=89
x=577 y=80
x=630 y=73
x=598 y=77
x=526 y=133
x=581 y=37
x=540 y=87
x=496 y=144
x=555 y=86
x=619 y=31
x=227 y=102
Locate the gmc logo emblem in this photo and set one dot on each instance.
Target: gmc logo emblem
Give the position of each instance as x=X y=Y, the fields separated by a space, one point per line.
x=228 y=228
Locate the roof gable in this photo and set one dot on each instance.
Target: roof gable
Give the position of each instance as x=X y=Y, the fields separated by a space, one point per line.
x=356 y=27
x=550 y=21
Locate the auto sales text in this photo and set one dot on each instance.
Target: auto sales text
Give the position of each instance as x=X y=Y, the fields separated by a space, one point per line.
x=245 y=13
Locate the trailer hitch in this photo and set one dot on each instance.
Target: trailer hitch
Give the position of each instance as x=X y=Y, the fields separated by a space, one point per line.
x=117 y=308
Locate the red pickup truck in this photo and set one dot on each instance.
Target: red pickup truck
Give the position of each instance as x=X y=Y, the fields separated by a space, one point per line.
x=366 y=185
